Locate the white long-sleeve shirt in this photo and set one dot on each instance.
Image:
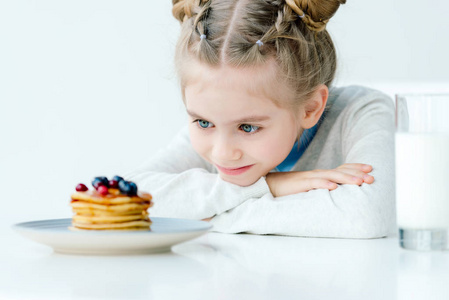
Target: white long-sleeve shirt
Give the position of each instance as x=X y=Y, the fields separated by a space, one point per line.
x=358 y=128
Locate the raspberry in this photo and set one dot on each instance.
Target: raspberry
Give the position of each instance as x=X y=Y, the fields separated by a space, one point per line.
x=103 y=190
x=81 y=188
x=113 y=184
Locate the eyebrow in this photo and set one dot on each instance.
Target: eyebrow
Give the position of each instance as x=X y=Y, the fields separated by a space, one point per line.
x=248 y=119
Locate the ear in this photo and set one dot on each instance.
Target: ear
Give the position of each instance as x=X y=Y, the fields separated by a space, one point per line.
x=313 y=108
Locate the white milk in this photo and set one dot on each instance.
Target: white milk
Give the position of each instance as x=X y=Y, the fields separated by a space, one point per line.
x=422 y=180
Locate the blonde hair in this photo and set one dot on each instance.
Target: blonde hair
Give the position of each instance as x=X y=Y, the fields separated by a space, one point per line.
x=246 y=33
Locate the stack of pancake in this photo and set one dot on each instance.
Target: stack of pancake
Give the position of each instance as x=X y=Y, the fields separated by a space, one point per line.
x=114 y=211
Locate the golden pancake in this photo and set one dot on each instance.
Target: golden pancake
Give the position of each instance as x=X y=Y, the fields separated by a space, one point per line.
x=111 y=208
x=93 y=212
x=95 y=197
x=124 y=225
x=107 y=219
x=116 y=229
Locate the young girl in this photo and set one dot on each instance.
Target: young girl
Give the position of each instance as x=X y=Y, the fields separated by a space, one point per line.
x=271 y=147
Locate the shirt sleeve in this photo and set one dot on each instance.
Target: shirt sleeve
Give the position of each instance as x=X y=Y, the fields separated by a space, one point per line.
x=350 y=211
x=184 y=185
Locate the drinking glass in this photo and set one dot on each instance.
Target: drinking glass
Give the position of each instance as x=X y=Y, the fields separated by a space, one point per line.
x=422 y=171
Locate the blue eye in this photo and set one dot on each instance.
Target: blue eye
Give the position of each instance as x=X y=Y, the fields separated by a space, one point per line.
x=249 y=128
x=204 y=124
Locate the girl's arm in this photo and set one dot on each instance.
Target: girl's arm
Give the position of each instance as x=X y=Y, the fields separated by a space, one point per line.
x=349 y=211
x=183 y=184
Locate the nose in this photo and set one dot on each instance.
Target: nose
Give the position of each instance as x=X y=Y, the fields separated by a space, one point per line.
x=226 y=148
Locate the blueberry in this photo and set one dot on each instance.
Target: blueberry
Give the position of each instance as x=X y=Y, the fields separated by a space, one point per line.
x=127 y=187
x=117 y=178
x=100 y=180
x=103 y=179
x=123 y=186
x=96 y=183
x=132 y=188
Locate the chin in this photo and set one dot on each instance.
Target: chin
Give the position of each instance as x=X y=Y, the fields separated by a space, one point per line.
x=240 y=182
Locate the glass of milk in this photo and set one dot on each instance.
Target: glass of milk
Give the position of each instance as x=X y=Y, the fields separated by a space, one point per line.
x=422 y=171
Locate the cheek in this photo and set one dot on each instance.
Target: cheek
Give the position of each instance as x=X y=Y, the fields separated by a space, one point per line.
x=275 y=153
x=199 y=143
x=276 y=148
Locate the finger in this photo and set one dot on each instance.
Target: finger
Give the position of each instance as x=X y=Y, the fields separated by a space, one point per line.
x=368 y=179
x=337 y=176
x=360 y=174
x=361 y=167
x=358 y=166
x=318 y=183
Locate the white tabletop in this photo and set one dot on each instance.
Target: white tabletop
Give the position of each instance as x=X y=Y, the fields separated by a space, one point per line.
x=227 y=266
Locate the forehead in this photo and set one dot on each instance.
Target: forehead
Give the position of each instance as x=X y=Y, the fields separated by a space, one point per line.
x=228 y=95
x=261 y=81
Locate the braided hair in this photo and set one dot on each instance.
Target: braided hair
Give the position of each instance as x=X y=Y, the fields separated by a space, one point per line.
x=245 y=33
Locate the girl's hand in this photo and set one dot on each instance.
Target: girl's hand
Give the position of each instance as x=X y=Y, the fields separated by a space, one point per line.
x=288 y=183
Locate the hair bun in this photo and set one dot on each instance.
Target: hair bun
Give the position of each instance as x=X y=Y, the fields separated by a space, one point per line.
x=185 y=9
x=316 y=12
x=182 y=9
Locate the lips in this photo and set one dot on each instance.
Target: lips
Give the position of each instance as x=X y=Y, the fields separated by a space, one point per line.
x=234 y=171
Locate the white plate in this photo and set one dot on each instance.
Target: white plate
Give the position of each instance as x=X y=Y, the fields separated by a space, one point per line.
x=165 y=232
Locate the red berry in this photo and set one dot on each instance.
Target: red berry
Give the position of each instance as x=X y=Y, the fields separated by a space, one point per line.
x=113 y=184
x=103 y=190
x=81 y=188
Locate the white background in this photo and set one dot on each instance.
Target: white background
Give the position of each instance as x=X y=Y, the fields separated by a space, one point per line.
x=88 y=88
